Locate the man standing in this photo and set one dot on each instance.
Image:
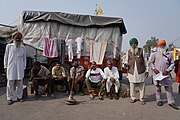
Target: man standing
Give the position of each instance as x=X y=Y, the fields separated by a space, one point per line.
x=137 y=70
x=177 y=71
x=15 y=64
x=162 y=63
x=112 y=76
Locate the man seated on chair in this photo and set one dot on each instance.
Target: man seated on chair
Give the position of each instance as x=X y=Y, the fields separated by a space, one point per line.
x=77 y=73
x=40 y=75
x=94 y=77
x=59 y=77
x=112 y=76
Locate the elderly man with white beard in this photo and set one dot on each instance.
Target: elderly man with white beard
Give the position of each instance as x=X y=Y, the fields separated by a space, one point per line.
x=137 y=65
x=15 y=64
x=162 y=62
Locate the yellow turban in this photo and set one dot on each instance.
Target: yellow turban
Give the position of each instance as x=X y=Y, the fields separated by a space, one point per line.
x=161 y=42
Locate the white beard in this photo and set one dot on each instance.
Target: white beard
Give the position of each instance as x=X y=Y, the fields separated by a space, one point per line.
x=134 y=50
x=17 y=44
x=162 y=50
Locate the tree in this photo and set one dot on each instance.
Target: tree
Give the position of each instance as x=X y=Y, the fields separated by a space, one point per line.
x=150 y=43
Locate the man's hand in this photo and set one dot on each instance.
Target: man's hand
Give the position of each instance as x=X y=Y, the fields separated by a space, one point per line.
x=112 y=80
x=103 y=81
x=165 y=73
x=59 y=77
x=44 y=77
x=146 y=74
x=155 y=71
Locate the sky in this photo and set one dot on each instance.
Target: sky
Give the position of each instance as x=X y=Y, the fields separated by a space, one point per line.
x=143 y=18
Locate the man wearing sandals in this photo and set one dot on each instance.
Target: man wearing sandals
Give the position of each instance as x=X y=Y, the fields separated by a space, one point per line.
x=162 y=62
x=137 y=70
x=15 y=64
x=95 y=77
x=112 y=78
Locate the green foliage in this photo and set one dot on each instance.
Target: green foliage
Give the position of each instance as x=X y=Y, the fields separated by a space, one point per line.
x=150 y=43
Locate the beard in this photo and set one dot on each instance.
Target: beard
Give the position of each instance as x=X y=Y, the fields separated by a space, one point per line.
x=162 y=50
x=134 y=50
x=17 y=43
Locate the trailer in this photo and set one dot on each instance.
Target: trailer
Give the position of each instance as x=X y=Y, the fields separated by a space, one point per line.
x=37 y=25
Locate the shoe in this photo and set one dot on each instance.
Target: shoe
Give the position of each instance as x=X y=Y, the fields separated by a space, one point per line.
x=174 y=106
x=91 y=96
x=10 y=102
x=143 y=102
x=110 y=96
x=81 y=94
x=160 y=103
x=20 y=100
x=132 y=101
x=116 y=96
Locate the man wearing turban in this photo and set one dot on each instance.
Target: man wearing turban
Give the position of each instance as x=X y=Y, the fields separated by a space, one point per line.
x=15 y=64
x=162 y=63
x=137 y=70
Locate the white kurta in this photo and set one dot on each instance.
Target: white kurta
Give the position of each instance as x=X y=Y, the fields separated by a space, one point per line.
x=15 y=61
x=114 y=74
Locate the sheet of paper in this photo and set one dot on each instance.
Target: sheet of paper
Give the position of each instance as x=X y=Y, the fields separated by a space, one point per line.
x=159 y=76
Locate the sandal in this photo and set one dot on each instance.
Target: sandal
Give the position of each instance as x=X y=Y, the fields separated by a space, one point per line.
x=91 y=96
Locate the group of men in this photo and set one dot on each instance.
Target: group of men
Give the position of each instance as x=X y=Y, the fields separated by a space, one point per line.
x=161 y=62
x=15 y=64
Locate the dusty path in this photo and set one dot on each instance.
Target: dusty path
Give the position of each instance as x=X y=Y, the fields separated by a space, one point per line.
x=55 y=109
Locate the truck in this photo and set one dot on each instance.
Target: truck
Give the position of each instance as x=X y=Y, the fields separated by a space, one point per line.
x=37 y=25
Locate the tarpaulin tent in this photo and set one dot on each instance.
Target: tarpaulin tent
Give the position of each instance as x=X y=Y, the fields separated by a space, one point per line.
x=36 y=25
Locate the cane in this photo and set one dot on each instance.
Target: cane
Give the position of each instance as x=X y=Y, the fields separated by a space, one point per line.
x=71 y=100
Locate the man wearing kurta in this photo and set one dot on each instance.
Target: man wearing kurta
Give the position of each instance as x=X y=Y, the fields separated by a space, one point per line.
x=112 y=78
x=162 y=63
x=15 y=64
x=137 y=70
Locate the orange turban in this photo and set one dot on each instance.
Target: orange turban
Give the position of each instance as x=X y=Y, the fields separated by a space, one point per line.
x=161 y=42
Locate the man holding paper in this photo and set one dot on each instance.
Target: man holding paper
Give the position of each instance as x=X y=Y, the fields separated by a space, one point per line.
x=162 y=64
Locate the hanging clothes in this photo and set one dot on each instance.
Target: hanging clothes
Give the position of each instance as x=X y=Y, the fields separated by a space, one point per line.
x=50 y=47
x=69 y=43
x=97 y=51
x=79 y=42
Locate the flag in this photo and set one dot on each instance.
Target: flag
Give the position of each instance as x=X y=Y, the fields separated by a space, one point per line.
x=98 y=10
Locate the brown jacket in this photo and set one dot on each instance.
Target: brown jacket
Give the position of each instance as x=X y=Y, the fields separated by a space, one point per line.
x=139 y=59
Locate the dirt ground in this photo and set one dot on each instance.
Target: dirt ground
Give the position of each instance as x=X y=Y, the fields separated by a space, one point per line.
x=55 y=109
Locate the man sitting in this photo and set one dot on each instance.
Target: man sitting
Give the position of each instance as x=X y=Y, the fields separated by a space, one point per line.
x=40 y=75
x=77 y=73
x=94 y=76
x=59 y=77
x=112 y=76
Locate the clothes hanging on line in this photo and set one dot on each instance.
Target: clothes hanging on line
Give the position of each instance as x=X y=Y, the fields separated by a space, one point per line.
x=50 y=47
x=97 y=51
x=79 y=42
x=69 y=43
